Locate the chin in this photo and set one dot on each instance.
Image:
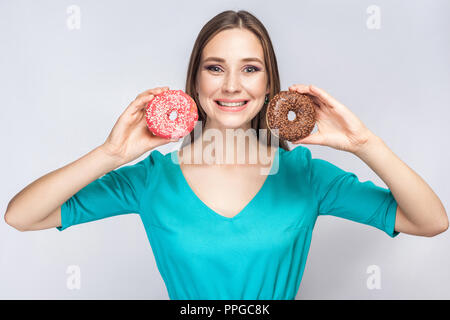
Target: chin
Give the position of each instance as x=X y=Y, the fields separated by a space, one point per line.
x=233 y=123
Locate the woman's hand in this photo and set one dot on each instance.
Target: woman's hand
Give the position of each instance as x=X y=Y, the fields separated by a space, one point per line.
x=130 y=138
x=337 y=126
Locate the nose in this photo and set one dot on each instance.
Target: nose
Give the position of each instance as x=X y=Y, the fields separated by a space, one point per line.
x=232 y=82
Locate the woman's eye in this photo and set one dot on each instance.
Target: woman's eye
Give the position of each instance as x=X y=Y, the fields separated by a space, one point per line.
x=254 y=68
x=217 y=69
x=212 y=68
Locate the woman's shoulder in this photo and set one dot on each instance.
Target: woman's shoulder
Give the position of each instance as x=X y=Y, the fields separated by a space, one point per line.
x=163 y=159
x=301 y=157
x=148 y=163
x=297 y=154
x=158 y=155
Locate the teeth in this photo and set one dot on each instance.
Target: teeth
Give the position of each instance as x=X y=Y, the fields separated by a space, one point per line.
x=235 y=104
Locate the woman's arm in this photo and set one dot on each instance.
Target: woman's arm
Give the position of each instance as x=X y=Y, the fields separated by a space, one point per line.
x=37 y=205
x=42 y=198
x=419 y=211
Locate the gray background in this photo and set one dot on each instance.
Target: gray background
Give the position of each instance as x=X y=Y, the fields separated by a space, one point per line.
x=62 y=91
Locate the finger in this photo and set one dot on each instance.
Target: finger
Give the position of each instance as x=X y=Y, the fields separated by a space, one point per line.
x=319 y=103
x=301 y=88
x=149 y=94
x=314 y=138
x=324 y=96
x=153 y=91
x=317 y=92
x=304 y=89
x=140 y=103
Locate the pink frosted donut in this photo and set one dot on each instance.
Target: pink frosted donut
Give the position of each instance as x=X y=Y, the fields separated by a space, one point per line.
x=171 y=114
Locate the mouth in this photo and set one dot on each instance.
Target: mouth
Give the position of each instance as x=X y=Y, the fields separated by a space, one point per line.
x=232 y=107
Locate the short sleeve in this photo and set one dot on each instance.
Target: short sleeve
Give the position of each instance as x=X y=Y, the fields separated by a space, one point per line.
x=115 y=193
x=341 y=194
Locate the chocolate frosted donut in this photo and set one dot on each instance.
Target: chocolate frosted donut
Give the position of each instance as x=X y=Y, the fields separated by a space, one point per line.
x=302 y=105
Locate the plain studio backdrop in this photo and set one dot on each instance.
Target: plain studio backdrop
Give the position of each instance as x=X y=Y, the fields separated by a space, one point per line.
x=68 y=69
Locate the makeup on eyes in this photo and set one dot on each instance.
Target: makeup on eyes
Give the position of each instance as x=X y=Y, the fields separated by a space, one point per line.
x=209 y=67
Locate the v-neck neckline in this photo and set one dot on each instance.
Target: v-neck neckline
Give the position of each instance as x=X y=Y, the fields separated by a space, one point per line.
x=213 y=213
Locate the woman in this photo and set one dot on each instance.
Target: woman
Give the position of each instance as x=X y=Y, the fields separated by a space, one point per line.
x=226 y=231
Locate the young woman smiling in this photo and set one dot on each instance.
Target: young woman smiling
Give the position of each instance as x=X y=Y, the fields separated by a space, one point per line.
x=225 y=231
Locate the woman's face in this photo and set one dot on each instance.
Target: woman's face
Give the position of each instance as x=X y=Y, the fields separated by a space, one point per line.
x=225 y=75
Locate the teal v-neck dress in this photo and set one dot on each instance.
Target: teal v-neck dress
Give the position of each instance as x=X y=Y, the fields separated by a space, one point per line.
x=258 y=254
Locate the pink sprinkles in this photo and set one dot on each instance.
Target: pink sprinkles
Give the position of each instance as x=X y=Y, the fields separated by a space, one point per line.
x=162 y=105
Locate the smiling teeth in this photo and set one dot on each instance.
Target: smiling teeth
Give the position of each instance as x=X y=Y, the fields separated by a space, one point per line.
x=235 y=104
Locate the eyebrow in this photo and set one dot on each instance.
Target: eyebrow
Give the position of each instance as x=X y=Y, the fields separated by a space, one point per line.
x=223 y=60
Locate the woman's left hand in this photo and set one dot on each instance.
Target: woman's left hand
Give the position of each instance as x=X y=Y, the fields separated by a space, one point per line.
x=337 y=126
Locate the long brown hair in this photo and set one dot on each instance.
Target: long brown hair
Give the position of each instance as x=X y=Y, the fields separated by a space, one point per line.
x=228 y=20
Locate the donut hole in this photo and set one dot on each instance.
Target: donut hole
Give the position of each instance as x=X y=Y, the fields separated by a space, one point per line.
x=291 y=115
x=173 y=115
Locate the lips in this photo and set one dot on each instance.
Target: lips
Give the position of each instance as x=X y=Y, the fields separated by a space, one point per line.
x=231 y=101
x=243 y=103
x=232 y=109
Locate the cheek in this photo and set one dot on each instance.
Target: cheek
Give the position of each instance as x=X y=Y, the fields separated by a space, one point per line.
x=256 y=84
x=207 y=84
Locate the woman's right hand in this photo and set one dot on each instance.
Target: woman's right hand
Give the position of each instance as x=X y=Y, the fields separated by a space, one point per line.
x=130 y=138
